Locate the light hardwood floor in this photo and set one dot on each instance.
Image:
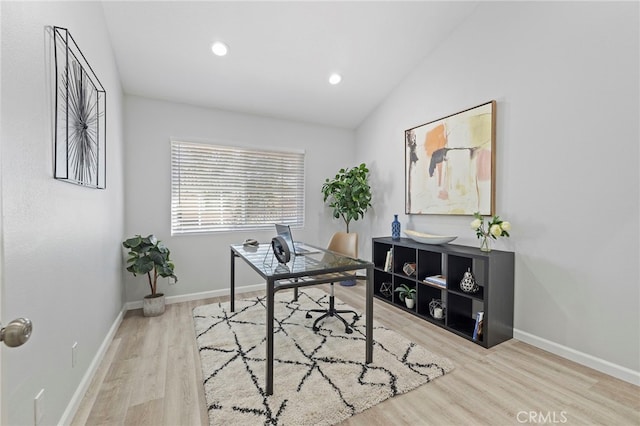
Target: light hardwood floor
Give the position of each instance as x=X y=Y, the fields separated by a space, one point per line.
x=151 y=376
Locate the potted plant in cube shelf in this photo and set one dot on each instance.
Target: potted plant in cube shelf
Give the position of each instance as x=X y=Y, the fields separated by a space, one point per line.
x=149 y=256
x=407 y=295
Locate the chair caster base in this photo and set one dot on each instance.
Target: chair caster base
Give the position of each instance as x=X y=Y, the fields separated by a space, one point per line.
x=332 y=312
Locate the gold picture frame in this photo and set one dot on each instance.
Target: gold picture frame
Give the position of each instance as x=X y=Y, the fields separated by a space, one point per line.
x=450 y=164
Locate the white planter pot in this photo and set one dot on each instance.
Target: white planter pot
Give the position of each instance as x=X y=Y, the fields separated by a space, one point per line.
x=152 y=306
x=409 y=302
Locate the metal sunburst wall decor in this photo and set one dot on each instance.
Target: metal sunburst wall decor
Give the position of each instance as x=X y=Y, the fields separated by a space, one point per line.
x=80 y=116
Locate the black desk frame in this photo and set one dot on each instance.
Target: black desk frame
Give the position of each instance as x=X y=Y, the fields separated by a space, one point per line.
x=284 y=279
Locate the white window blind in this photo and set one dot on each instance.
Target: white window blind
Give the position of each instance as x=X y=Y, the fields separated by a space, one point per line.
x=223 y=188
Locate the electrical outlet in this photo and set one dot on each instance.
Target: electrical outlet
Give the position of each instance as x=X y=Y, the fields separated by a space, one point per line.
x=38 y=408
x=74 y=350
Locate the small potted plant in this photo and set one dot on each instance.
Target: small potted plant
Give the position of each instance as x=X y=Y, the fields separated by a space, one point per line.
x=407 y=294
x=149 y=256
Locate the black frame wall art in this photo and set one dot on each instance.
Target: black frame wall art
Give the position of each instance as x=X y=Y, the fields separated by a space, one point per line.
x=80 y=116
x=450 y=164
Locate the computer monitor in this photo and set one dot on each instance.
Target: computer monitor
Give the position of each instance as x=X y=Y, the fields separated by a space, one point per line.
x=284 y=231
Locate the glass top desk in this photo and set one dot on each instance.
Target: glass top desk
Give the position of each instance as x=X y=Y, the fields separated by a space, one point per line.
x=318 y=267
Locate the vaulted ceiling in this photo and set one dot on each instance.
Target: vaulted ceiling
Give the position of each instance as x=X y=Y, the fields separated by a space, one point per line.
x=280 y=53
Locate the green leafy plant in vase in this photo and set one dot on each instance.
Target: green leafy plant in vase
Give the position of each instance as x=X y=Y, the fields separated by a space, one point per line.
x=348 y=193
x=149 y=256
x=407 y=295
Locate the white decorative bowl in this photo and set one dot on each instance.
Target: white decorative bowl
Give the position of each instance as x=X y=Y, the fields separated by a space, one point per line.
x=428 y=238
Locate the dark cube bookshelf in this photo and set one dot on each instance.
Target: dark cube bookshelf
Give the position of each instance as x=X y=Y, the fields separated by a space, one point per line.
x=493 y=272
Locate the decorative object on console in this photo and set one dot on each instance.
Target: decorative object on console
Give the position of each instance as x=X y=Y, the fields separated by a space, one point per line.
x=407 y=295
x=388 y=263
x=450 y=163
x=80 y=116
x=386 y=289
x=494 y=229
x=477 y=328
x=281 y=249
x=409 y=268
x=146 y=255
x=437 y=280
x=436 y=310
x=423 y=238
x=395 y=228
x=468 y=283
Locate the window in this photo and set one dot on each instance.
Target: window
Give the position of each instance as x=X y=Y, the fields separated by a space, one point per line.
x=224 y=188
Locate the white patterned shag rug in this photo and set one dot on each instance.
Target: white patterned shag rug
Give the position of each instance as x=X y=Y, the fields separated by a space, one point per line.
x=319 y=378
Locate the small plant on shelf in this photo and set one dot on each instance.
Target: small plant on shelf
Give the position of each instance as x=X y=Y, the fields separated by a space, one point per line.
x=407 y=295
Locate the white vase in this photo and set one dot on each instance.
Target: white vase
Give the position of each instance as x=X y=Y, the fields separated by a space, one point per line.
x=153 y=305
x=409 y=302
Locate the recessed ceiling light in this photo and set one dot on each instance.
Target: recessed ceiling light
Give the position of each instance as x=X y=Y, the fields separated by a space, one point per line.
x=219 y=48
x=335 y=78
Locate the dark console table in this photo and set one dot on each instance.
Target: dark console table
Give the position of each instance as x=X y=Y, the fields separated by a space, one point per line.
x=493 y=272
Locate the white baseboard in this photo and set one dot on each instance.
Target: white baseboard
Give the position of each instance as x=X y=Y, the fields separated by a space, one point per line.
x=76 y=399
x=74 y=404
x=606 y=367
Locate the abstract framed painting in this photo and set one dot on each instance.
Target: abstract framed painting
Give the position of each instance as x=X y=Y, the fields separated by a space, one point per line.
x=80 y=116
x=450 y=164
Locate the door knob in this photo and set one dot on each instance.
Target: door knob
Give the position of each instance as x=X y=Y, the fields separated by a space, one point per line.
x=16 y=332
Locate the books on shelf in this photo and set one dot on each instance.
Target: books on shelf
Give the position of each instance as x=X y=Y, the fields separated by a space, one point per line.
x=388 y=263
x=477 y=329
x=437 y=280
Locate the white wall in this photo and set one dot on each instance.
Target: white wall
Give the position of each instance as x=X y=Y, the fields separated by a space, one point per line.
x=62 y=263
x=202 y=261
x=566 y=81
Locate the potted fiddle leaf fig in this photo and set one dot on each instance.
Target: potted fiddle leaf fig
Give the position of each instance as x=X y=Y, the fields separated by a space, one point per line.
x=348 y=193
x=149 y=256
